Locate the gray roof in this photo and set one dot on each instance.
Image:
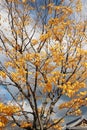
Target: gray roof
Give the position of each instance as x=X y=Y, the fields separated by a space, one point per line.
x=72 y=125
x=78 y=128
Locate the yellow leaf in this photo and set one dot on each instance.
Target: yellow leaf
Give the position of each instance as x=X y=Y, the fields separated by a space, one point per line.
x=48 y=87
x=33 y=0
x=13 y=125
x=25 y=124
x=2 y=124
x=24 y=1
x=34 y=41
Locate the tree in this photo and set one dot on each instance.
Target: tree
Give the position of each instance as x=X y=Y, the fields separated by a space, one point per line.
x=44 y=60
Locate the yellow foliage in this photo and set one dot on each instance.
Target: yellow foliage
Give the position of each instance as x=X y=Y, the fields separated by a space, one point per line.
x=15 y=1
x=85 y=64
x=6 y=111
x=56 y=61
x=44 y=37
x=78 y=112
x=3 y=74
x=83 y=93
x=9 y=64
x=71 y=89
x=78 y=6
x=24 y=1
x=13 y=125
x=2 y=124
x=25 y=124
x=34 y=41
x=33 y=0
x=49 y=87
x=57 y=127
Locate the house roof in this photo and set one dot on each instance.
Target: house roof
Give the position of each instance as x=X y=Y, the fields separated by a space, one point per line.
x=76 y=123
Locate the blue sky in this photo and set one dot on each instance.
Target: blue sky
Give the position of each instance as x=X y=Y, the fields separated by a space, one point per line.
x=4 y=95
